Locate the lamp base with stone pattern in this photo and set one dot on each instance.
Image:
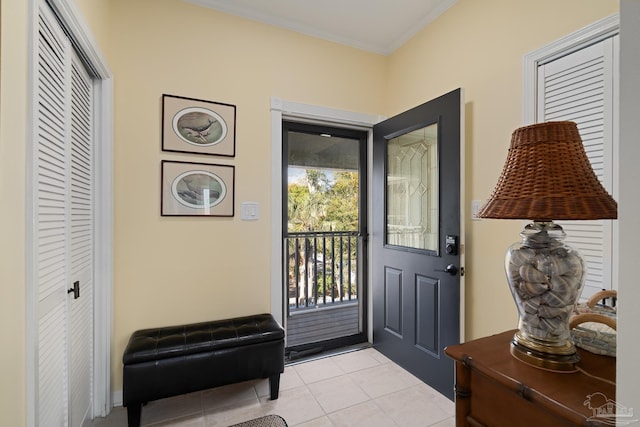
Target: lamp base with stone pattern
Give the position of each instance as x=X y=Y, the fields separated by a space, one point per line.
x=545 y=278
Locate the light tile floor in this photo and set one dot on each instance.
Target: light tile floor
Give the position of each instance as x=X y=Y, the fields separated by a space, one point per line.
x=357 y=388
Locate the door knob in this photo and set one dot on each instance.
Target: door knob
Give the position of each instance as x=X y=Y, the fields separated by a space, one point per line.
x=451 y=269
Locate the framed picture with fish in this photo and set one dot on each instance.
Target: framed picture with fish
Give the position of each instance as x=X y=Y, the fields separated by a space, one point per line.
x=192 y=125
x=197 y=189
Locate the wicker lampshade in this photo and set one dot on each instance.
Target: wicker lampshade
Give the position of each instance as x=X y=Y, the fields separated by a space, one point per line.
x=547 y=176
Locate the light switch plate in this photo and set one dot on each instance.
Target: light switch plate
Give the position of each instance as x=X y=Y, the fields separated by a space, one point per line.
x=249 y=211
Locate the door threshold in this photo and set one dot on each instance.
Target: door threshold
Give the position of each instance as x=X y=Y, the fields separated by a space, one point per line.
x=316 y=353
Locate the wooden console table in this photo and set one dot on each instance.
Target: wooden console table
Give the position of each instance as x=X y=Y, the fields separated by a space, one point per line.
x=495 y=389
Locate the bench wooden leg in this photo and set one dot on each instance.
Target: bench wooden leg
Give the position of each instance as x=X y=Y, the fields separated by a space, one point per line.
x=274 y=385
x=134 y=411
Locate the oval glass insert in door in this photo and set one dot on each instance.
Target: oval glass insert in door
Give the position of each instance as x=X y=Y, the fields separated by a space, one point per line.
x=412 y=189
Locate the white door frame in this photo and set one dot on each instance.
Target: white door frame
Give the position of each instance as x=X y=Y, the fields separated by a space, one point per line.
x=71 y=19
x=281 y=109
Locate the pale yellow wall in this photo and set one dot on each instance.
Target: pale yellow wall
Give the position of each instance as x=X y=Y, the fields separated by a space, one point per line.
x=172 y=270
x=479 y=46
x=96 y=14
x=13 y=119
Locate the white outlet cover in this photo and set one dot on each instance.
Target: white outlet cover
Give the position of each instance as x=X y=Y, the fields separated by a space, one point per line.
x=249 y=211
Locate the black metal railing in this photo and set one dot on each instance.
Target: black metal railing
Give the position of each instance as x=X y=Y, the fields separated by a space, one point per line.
x=322 y=268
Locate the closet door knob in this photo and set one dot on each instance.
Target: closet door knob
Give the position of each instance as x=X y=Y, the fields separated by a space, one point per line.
x=75 y=289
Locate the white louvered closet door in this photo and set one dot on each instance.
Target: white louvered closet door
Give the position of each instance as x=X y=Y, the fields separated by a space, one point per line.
x=80 y=325
x=64 y=229
x=582 y=87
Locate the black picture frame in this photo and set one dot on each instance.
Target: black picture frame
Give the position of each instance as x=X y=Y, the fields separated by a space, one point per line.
x=197 y=126
x=197 y=189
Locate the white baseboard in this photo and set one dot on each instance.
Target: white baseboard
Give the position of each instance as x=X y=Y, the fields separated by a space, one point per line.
x=116 y=398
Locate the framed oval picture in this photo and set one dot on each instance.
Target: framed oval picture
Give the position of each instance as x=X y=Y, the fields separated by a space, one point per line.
x=192 y=125
x=197 y=189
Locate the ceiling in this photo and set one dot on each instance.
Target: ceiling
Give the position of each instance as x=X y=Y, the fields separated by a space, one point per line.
x=379 y=26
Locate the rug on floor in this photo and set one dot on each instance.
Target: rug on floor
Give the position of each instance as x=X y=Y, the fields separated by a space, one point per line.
x=266 y=421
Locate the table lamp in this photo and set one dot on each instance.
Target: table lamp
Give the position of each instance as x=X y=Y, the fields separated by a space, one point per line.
x=547 y=176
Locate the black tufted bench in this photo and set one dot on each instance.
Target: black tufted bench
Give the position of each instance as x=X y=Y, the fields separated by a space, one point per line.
x=170 y=361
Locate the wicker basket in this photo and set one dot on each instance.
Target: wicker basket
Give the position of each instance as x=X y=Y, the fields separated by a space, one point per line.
x=593 y=326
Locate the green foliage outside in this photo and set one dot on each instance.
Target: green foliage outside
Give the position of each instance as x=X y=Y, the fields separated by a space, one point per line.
x=320 y=204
